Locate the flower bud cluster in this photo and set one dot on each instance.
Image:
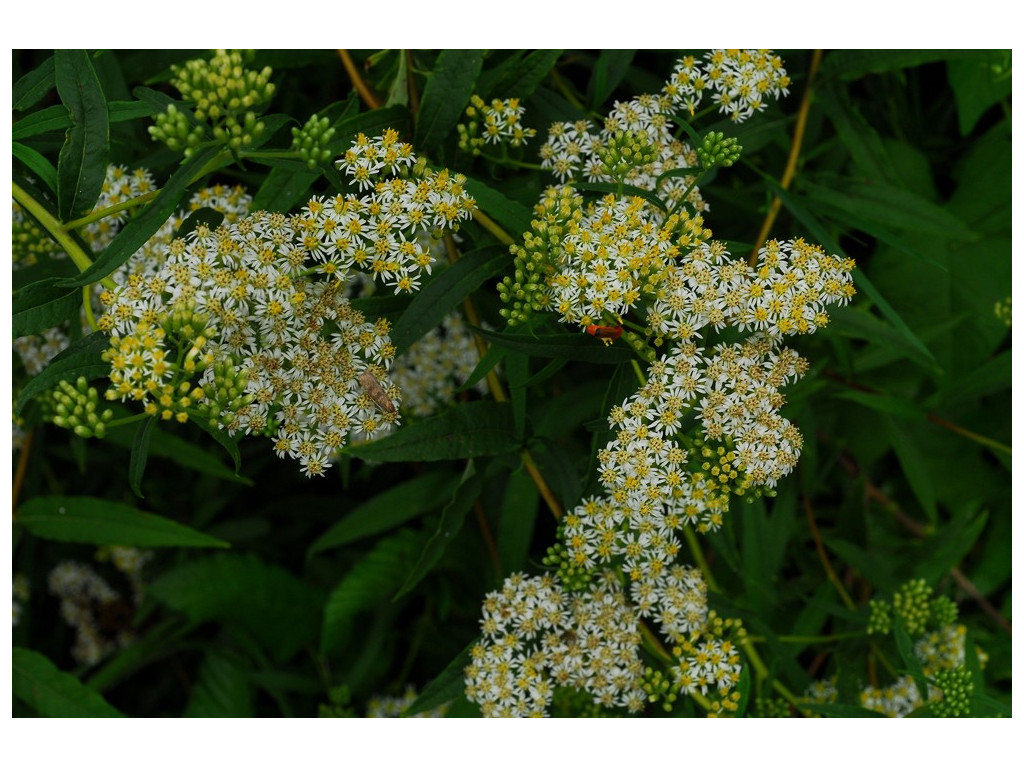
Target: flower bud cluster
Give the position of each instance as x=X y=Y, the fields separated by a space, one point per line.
x=716 y=149
x=956 y=690
x=497 y=122
x=76 y=407
x=740 y=81
x=227 y=100
x=312 y=140
x=636 y=146
x=1004 y=311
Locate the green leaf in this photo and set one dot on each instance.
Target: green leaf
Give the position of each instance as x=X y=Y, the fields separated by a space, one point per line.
x=609 y=70
x=42 y=305
x=950 y=546
x=446 y=95
x=522 y=80
x=140 y=452
x=912 y=664
x=452 y=517
x=141 y=227
x=442 y=294
x=52 y=693
x=372 y=581
x=890 y=206
x=82 y=164
x=388 y=509
x=492 y=357
x=979 y=81
x=885 y=404
x=447 y=686
x=857 y=136
x=914 y=466
x=853 y=64
x=283 y=189
x=32 y=86
x=88 y=520
x=561 y=345
x=35 y=162
x=240 y=591
x=55 y=118
x=518 y=518
x=513 y=217
x=81 y=358
x=221 y=690
x=184 y=452
x=479 y=428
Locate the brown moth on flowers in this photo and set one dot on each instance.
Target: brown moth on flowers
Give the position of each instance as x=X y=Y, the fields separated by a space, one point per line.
x=373 y=389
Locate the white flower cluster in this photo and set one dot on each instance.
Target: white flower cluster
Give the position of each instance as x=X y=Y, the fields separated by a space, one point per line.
x=84 y=596
x=785 y=293
x=38 y=350
x=537 y=636
x=382 y=232
x=430 y=371
x=635 y=146
x=119 y=186
x=397 y=706
x=712 y=663
x=740 y=81
x=896 y=700
x=502 y=121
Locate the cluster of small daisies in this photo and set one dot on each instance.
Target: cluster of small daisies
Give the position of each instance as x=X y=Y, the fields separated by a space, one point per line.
x=636 y=146
x=431 y=370
x=388 y=231
x=739 y=81
x=538 y=636
x=97 y=612
x=497 y=122
x=228 y=325
x=119 y=186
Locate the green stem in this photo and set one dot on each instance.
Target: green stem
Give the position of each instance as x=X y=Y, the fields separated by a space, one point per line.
x=510 y=162
x=809 y=639
x=698 y=556
x=128 y=420
x=87 y=306
x=761 y=670
x=102 y=213
x=56 y=230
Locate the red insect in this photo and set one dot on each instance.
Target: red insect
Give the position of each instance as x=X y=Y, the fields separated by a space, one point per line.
x=608 y=333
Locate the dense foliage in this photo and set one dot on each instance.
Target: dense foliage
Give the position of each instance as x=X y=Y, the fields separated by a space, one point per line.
x=453 y=382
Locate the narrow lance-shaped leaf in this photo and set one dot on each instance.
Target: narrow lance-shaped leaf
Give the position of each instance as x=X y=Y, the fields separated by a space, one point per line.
x=140 y=452
x=81 y=358
x=446 y=95
x=82 y=165
x=42 y=305
x=53 y=693
x=89 y=520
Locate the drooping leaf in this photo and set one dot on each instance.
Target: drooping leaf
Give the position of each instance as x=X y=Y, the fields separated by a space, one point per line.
x=452 y=517
x=609 y=69
x=42 y=305
x=269 y=603
x=446 y=95
x=82 y=165
x=388 y=509
x=372 y=581
x=53 y=693
x=446 y=687
x=221 y=689
x=467 y=430
x=518 y=517
x=439 y=297
x=914 y=463
x=32 y=86
x=140 y=453
x=89 y=520
x=183 y=452
x=35 y=162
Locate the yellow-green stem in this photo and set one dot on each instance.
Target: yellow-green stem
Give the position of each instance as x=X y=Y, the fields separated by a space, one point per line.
x=491 y=226
x=103 y=213
x=698 y=556
x=51 y=225
x=87 y=306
